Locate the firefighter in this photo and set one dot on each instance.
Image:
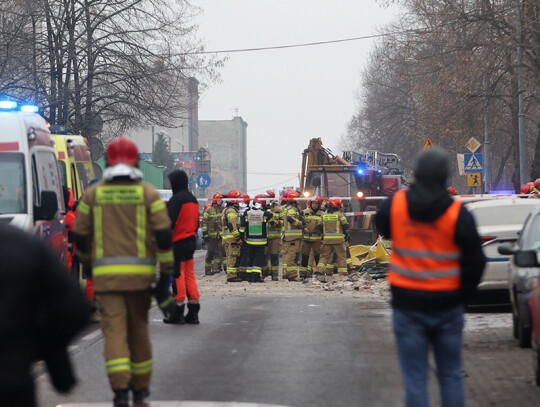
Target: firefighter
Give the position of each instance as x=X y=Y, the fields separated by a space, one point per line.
x=210 y=229
x=122 y=228
x=293 y=226
x=312 y=236
x=254 y=221
x=334 y=227
x=274 y=235
x=243 y=259
x=231 y=235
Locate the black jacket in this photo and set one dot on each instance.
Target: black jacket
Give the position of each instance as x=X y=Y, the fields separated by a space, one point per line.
x=41 y=311
x=427 y=203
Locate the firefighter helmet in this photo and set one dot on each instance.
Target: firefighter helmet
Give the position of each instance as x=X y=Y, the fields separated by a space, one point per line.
x=314 y=198
x=122 y=151
x=527 y=188
x=207 y=206
x=245 y=198
x=336 y=202
x=270 y=193
x=218 y=196
x=292 y=195
x=260 y=199
x=233 y=195
x=537 y=184
x=452 y=191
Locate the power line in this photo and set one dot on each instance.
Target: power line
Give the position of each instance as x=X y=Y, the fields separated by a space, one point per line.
x=309 y=44
x=273 y=185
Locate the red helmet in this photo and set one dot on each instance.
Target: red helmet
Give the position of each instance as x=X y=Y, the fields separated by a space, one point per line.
x=270 y=193
x=527 y=188
x=245 y=198
x=217 y=197
x=537 y=184
x=451 y=190
x=207 y=206
x=122 y=151
x=261 y=198
x=314 y=198
x=292 y=194
x=232 y=195
x=336 y=202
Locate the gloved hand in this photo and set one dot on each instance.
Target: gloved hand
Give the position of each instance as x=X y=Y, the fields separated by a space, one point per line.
x=161 y=292
x=290 y=219
x=205 y=236
x=347 y=237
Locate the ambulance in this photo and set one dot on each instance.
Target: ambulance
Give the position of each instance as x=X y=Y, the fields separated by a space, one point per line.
x=30 y=189
x=74 y=160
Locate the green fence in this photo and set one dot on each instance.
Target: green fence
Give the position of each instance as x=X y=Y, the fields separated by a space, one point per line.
x=151 y=173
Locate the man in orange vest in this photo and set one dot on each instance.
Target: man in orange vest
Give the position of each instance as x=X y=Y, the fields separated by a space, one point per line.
x=435 y=266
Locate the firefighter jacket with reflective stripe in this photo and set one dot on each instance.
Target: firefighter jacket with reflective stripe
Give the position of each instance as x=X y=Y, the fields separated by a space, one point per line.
x=424 y=256
x=211 y=222
x=254 y=223
x=312 y=219
x=119 y=218
x=333 y=222
x=230 y=224
x=292 y=230
x=275 y=224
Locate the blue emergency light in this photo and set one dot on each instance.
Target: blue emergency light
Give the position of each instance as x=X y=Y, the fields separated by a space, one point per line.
x=29 y=108
x=12 y=105
x=360 y=170
x=8 y=105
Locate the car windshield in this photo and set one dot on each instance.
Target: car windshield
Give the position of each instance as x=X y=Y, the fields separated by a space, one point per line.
x=12 y=184
x=532 y=242
x=501 y=215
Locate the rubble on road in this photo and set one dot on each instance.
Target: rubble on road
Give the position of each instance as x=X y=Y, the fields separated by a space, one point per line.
x=357 y=281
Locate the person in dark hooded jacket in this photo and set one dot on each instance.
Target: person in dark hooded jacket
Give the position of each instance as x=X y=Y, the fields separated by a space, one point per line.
x=183 y=210
x=41 y=311
x=435 y=266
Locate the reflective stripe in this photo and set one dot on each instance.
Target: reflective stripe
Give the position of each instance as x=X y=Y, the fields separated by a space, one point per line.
x=312 y=237
x=166 y=257
x=166 y=302
x=293 y=231
x=98 y=232
x=333 y=234
x=141 y=231
x=342 y=269
x=120 y=194
x=157 y=206
x=118 y=365
x=424 y=274
x=108 y=261
x=123 y=269
x=142 y=367
x=270 y=234
x=428 y=254
x=83 y=208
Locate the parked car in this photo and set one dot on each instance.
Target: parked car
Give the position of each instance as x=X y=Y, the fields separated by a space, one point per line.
x=531 y=258
x=522 y=280
x=499 y=221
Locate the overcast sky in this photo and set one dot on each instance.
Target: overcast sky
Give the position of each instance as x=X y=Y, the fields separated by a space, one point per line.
x=287 y=96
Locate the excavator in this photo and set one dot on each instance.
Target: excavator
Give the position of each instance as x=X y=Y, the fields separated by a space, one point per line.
x=364 y=177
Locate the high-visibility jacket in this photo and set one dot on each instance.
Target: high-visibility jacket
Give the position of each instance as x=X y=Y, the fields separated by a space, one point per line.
x=274 y=225
x=254 y=223
x=119 y=217
x=230 y=230
x=211 y=222
x=425 y=256
x=313 y=219
x=292 y=230
x=333 y=222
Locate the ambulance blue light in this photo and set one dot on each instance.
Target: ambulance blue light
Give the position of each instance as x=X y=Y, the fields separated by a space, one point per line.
x=360 y=171
x=502 y=192
x=8 y=104
x=29 y=108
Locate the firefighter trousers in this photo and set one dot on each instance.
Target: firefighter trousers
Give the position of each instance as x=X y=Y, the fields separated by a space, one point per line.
x=274 y=248
x=325 y=265
x=290 y=254
x=256 y=258
x=233 y=253
x=306 y=268
x=128 y=350
x=214 y=255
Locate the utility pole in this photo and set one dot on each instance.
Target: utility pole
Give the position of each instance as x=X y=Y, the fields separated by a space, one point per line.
x=521 y=108
x=487 y=143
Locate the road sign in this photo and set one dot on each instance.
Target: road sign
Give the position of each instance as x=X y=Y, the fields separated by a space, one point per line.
x=473 y=144
x=474 y=179
x=427 y=144
x=474 y=162
x=203 y=180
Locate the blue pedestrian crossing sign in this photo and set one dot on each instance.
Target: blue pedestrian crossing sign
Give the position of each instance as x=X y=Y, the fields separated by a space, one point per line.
x=474 y=162
x=203 y=180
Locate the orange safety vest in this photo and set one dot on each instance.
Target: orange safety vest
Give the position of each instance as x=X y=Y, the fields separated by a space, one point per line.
x=425 y=256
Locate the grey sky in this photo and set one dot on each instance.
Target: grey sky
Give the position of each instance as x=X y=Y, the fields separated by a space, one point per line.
x=291 y=95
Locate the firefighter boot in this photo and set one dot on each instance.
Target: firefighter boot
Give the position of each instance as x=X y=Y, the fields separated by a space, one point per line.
x=192 y=317
x=121 y=398
x=140 y=395
x=176 y=317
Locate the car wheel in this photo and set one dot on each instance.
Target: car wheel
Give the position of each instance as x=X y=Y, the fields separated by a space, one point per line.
x=515 y=326
x=524 y=335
